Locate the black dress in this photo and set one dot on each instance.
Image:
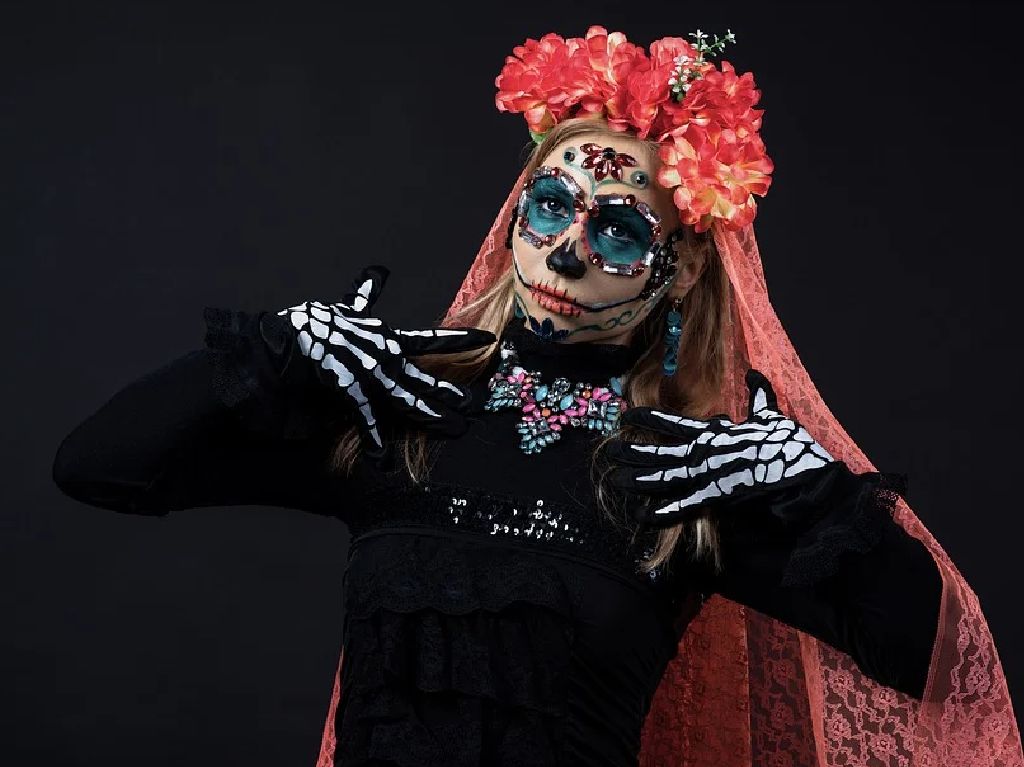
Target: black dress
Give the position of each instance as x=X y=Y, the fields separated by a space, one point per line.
x=493 y=615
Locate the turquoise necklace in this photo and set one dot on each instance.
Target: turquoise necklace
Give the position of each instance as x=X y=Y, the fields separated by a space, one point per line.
x=548 y=408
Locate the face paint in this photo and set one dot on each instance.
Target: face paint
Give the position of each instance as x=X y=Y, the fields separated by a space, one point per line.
x=562 y=229
x=621 y=231
x=606 y=166
x=548 y=205
x=622 y=234
x=563 y=260
x=546 y=329
x=561 y=302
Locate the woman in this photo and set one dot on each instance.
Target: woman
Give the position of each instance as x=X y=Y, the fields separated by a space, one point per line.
x=558 y=556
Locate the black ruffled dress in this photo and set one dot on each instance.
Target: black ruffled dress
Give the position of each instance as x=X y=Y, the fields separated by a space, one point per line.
x=493 y=615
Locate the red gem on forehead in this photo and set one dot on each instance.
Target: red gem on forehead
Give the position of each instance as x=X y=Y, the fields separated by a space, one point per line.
x=606 y=161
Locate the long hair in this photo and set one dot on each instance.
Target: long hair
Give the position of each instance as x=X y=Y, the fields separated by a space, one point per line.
x=695 y=391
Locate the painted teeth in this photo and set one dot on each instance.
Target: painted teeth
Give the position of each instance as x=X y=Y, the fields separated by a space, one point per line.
x=560 y=292
x=557 y=305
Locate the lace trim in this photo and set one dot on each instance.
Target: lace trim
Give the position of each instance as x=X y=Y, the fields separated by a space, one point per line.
x=852 y=520
x=518 y=657
x=407 y=573
x=455 y=655
x=416 y=729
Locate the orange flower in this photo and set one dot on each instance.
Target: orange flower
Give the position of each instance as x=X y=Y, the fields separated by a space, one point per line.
x=646 y=90
x=714 y=179
x=545 y=79
x=704 y=118
x=612 y=57
x=727 y=99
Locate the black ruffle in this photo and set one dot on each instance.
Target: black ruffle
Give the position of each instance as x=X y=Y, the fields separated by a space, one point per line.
x=838 y=515
x=464 y=665
x=263 y=379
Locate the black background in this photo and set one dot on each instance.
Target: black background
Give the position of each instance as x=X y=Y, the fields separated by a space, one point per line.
x=156 y=159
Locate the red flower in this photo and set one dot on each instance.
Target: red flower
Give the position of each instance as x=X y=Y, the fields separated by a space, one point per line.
x=544 y=79
x=611 y=57
x=716 y=160
x=665 y=51
x=727 y=100
x=646 y=90
x=712 y=154
x=714 y=178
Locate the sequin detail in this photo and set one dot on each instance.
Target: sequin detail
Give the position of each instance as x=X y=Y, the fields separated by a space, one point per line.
x=536 y=523
x=576 y=530
x=548 y=408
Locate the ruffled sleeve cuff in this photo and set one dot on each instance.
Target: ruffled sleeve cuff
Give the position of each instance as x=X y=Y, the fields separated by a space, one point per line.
x=837 y=516
x=260 y=376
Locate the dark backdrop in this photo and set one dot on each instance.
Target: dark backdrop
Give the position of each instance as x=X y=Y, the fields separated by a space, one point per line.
x=156 y=159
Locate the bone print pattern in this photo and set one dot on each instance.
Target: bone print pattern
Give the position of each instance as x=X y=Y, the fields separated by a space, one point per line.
x=365 y=358
x=714 y=462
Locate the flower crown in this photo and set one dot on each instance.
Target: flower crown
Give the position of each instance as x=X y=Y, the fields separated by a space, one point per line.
x=713 y=158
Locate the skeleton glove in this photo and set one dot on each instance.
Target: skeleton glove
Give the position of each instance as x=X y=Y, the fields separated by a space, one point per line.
x=365 y=360
x=714 y=463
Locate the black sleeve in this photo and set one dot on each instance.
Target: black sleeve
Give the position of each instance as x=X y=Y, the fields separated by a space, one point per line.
x=829 y=559
x=235 y=422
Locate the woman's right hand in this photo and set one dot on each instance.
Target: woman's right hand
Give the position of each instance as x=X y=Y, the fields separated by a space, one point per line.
x=364 y=358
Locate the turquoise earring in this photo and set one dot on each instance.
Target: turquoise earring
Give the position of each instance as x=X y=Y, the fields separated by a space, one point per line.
x=673 y=331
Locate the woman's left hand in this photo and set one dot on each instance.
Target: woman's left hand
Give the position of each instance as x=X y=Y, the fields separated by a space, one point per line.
x=713 y=463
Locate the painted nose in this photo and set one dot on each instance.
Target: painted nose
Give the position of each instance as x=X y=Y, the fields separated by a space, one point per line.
x=563 y=260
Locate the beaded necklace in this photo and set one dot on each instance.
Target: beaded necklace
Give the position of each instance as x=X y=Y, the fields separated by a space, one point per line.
x=547 y=408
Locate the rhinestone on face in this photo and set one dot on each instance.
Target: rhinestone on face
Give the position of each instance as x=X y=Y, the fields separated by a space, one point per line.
x=639 y=178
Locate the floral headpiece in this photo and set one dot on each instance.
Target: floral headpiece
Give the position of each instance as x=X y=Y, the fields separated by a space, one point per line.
x=703 y=118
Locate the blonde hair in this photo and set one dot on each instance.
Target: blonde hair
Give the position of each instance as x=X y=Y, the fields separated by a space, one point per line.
x=694 y=391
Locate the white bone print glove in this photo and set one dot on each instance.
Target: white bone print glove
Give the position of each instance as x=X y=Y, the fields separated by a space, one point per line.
x=716 y=462
x=364 y=358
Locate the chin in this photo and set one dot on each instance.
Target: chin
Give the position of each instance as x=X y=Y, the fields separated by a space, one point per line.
x=566 y=324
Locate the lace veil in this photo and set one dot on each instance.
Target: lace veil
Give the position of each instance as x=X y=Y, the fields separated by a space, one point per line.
x=746 y=689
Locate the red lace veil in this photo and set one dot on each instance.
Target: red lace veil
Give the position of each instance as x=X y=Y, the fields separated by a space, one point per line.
x=746 y=689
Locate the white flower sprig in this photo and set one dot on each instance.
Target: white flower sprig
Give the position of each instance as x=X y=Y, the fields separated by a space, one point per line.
x=687 y=68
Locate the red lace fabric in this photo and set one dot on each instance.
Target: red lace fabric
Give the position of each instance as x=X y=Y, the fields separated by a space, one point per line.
x=745 y=689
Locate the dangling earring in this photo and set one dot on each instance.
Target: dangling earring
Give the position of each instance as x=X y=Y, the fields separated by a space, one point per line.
x=673 y=331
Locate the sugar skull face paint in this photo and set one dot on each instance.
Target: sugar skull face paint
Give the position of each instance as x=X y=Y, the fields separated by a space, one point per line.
x=622 y=231
x=590 y=251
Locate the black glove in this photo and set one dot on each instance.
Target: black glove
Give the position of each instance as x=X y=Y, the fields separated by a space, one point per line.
x=713 y=463
x=364 y=358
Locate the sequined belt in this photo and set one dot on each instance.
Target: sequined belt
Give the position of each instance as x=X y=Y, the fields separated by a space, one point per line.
x=581 y=532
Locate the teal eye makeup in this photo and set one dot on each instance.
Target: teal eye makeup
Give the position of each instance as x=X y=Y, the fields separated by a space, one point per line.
x=548 y=205
x=620 y=234
x=550 y=208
